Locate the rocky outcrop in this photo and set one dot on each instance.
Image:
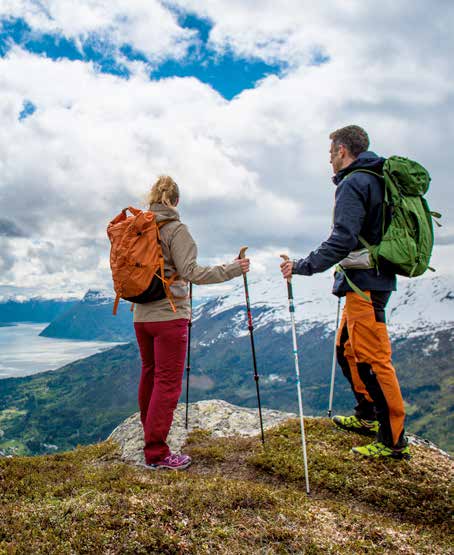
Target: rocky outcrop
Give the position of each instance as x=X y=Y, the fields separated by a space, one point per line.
x=219 y=417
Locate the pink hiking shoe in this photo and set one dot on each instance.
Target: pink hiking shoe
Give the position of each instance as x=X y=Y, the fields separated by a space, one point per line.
x=172 y=461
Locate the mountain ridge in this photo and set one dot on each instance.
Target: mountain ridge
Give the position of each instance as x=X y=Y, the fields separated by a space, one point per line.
x=417 y=305
x=35 y=309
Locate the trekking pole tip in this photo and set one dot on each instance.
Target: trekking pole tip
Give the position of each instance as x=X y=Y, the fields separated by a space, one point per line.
x=242 y=252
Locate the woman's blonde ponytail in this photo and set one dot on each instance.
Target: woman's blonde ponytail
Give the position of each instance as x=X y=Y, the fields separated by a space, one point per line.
x=164 y=191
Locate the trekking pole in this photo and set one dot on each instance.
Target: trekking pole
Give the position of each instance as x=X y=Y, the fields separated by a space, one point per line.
x=333 y=368
x=251 y=332
x=188 y=365
x=291 y=308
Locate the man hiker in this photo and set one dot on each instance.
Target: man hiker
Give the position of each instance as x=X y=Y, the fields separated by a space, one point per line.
x=362 y=342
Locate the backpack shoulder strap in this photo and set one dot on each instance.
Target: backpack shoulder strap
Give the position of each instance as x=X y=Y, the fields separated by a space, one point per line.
x=385 y=199
x=162 y=223
x=381 y=176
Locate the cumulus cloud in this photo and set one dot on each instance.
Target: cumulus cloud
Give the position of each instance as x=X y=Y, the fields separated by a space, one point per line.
x=7 y=258
x=146 y=25
x=253 y=170
x=297 y=31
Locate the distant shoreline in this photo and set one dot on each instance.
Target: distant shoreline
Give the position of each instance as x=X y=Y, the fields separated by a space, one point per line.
x=23 y=352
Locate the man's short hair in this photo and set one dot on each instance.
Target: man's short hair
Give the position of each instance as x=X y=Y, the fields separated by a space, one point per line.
x=353 y=137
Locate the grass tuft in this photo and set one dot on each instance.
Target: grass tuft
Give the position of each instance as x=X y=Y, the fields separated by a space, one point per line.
x=419 y=490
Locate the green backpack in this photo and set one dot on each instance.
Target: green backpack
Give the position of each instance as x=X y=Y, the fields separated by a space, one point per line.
x=408 y=240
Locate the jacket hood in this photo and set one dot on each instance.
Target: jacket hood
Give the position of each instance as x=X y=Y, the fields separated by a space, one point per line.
x=366 y=160
x=163 y=212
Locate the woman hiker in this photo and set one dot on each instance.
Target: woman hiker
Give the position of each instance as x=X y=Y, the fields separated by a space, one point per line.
x=162 y=332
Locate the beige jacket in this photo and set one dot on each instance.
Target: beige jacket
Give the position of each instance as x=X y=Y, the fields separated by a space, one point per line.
x=180 y=255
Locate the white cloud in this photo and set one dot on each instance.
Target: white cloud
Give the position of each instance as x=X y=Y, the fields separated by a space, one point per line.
x=293 y=30
x=253 y=170
x=143 y=24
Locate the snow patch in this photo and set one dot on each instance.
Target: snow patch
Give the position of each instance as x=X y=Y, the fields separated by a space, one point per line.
x=432 y=347
x=98 y=296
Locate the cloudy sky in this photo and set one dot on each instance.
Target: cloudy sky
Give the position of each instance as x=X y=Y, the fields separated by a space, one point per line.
x=234 y=99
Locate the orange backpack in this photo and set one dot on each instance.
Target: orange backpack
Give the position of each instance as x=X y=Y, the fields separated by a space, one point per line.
x=136 y=259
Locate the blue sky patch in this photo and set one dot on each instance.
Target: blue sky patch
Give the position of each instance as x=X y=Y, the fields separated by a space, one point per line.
x=28 y=109
x=191 y=21
x=16 y=31
x=56 y=47
x=226 y=73
x=229 y=77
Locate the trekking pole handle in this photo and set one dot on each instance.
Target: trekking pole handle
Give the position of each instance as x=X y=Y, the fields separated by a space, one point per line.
x=242 y=252
x=246 y=290
x=286 y=259
x=289 y=281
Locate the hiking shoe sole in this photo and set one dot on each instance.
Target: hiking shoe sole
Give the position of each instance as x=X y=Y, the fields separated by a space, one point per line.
x=168 y=467
x=169 y=463
x=163 y=466
x=394 y=457
x=377 y=450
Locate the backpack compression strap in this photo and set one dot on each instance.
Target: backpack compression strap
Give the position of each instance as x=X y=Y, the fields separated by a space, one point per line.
x=115 y=306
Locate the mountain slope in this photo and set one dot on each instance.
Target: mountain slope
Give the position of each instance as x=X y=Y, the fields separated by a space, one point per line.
x=92 y=319
x=33 y=310
x=84 y=401
x=78 y=404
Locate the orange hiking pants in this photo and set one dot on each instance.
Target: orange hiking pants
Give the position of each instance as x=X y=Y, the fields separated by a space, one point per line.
x=364 y=354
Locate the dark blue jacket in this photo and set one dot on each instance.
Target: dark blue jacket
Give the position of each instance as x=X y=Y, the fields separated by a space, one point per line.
x=358 y=211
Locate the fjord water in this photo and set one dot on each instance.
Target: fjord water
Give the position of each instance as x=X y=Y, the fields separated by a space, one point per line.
x=24 y=352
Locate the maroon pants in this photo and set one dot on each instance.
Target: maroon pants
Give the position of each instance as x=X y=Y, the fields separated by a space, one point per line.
x=163 y=351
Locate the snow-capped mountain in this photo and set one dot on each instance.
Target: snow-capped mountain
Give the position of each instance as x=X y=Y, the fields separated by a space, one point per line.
x=421 y=320
x=418 y=306
x=98 y=296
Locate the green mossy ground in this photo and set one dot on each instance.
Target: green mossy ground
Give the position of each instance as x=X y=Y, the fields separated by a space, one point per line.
x=236 y=498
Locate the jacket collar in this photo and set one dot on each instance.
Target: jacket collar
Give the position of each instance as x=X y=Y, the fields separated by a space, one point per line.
x=365 y=160
x=164 y=212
